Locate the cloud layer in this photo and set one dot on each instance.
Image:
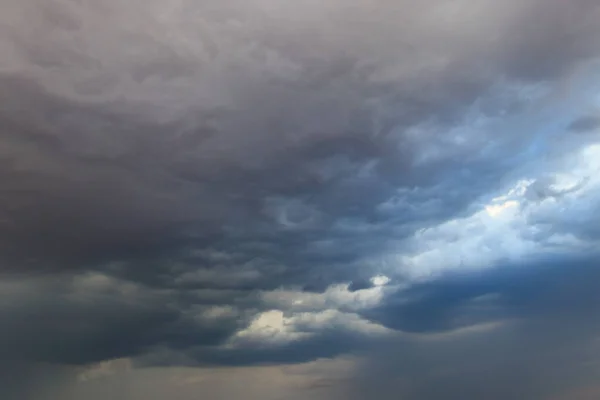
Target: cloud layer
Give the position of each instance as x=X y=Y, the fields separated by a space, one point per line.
x=198 y=183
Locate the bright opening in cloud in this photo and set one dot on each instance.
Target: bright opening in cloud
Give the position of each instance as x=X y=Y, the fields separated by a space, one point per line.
x=380 y=280
x=496 y=209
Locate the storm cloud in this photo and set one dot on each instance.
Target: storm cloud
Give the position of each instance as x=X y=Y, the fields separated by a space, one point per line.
x=202 y=184
x=523 y=331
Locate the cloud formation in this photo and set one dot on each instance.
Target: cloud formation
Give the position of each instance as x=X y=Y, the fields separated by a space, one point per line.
x=528 y=331
x=200 y=183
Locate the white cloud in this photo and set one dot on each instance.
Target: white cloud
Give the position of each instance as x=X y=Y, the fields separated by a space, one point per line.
x=514 y=225
x=337 y=296
x=269 y=328
x=380 y=280
x=495 y=210
x=275 y=327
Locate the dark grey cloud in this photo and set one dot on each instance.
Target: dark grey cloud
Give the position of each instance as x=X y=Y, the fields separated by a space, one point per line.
x=249 y=182
x=560 y=288
x=26 y=381
x=585 y=124
x=142 y=178
x=522 y=331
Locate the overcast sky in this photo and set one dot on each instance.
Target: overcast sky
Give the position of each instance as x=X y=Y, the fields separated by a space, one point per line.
x=324 y=199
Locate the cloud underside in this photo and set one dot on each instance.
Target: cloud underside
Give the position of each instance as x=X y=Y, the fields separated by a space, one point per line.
x=231 y=183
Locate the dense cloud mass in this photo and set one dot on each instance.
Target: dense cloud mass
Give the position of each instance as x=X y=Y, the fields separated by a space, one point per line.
x=513 y=331
x=408 y=187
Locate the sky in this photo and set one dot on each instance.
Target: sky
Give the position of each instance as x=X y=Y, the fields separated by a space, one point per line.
x=267 y=199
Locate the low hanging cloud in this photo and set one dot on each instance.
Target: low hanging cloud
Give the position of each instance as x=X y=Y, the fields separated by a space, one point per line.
x=225 y=184
x=527 y=331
